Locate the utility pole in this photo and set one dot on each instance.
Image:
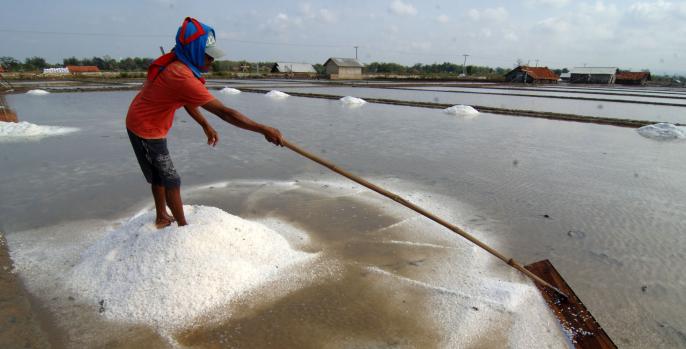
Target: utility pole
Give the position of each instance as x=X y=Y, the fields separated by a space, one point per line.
x=464 y=65
x=162 y=49
x=537 y=62
x=355 y=51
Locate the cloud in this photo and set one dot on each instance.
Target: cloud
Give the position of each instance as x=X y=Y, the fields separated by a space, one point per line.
x=510 y=36
x=327 y=16
x=442 y=19
x=420 y=45
x=228 y=35
x=656 y=11
x=554 y=24
x=496 y=14
x=322 y=15
x=400 y=8
x=281 y=23
x=554 y=3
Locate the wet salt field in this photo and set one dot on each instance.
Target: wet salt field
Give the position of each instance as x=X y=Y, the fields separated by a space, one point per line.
x=605 y=205
x=658 y=113
x=598 y=95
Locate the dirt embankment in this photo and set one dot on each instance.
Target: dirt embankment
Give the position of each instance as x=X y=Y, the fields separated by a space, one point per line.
x=19 y=327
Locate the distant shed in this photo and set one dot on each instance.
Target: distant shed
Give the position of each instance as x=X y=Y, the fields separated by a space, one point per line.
x=343 y=68
x=77 y=69
x=535 y=75
x=290 y=69
x=593 y=75
x=633 y=78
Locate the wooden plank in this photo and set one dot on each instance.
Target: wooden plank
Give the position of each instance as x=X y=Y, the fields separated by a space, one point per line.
x=577 y=322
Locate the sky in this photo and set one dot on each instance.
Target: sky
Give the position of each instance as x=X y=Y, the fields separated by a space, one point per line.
x=629 y=34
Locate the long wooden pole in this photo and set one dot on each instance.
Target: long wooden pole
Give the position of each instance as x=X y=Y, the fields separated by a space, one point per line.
x=425 y=213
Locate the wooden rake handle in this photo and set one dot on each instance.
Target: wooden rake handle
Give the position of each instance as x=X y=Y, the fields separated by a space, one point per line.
x=423 y=212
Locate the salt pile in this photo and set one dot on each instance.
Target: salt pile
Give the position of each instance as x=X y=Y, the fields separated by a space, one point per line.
x=167 y=277
x=37 y=92
x=16 y=131
x=461 y=110
x=277 y=94
x=352 y=101
x=229 y=91
x=662 y=131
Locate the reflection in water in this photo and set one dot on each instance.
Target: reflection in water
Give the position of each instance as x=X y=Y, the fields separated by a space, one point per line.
x=625 y=193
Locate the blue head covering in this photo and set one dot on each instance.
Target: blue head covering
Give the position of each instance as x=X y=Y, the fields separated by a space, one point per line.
x=191 y=39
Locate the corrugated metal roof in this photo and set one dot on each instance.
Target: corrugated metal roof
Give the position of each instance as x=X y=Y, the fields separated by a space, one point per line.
x=540 y=73
x=595 y=70
x=289 y=67
x=634 y=76
x=344 y=62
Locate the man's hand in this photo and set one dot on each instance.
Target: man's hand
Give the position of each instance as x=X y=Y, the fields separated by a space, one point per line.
x=272 y=135
x=212 y=135
x=236 y=118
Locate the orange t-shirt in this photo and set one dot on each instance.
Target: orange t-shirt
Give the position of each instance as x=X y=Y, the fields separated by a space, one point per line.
x=151 y=113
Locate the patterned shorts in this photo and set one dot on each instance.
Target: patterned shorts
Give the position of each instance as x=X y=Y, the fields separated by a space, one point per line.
x=153 y=157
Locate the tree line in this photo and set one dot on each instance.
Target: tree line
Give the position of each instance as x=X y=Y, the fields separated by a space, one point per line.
x=432 y=69
x=107 y=63
x=140 y=64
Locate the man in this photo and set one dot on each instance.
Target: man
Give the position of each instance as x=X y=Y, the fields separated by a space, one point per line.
x=174 y=80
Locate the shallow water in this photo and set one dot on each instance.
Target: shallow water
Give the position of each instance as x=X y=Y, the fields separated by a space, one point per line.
x=634 y=96
x=616 y=202
x=588 y=108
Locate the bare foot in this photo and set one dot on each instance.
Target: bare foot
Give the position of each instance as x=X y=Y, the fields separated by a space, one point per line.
x=163 y=222
x=169 y=217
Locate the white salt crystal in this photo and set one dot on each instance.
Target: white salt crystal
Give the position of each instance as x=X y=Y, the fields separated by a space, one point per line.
x=37 y=92
x=662 y=131
x=19 y=131
x=168 y=277
x=461 y=110
x=352 y=101
x=276 y=94
x=229 y=91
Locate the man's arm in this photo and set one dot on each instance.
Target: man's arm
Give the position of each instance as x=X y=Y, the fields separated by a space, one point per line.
x=236 y=118
x=212 y=135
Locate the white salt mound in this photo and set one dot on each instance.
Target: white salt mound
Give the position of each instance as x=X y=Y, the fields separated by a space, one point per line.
x=276 y=94
x=352 y=101
x=18 y=131
x=461 y=110
x=662 y=131
x=229 y=91
x=167 y=277
x=37 y=92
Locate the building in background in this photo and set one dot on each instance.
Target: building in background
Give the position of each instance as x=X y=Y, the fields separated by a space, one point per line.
x=80 y=69
x=593 y=75
x=566 y=76
x=532 y=75
x=297 y=70
x=633 y=78
x=56 y=71
x=343 y=68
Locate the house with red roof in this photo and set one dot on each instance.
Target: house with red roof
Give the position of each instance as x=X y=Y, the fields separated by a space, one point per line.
x=76 y=69
x=532 y=75
x=632 y=78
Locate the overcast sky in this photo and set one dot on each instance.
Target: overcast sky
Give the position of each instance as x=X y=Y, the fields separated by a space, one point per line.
x=630 y=34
